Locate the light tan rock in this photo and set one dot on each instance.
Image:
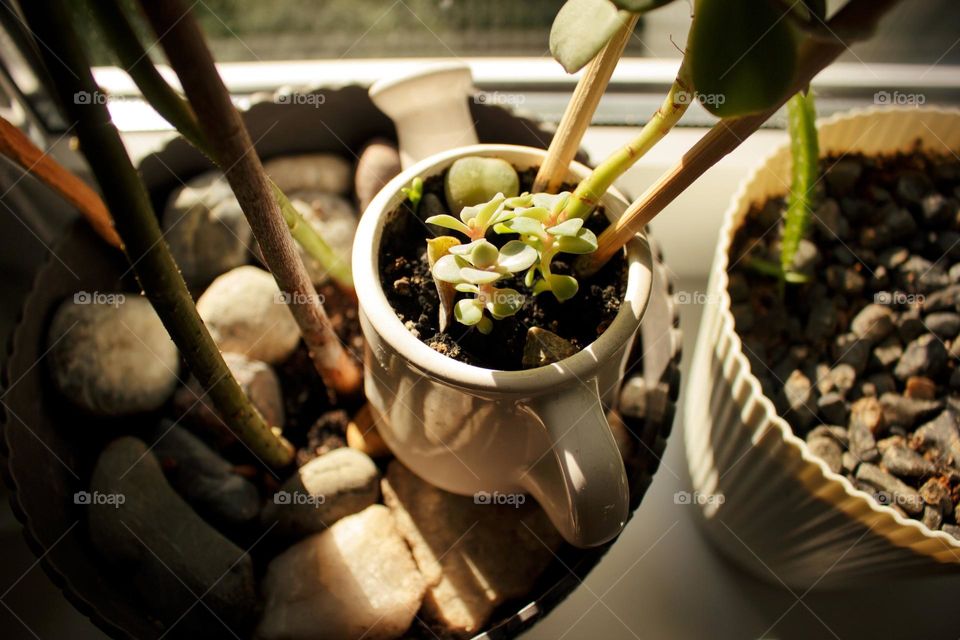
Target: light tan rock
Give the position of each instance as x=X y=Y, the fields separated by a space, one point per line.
x=310 y=172
x=473 y=556
x=246 y=313
x=110 y=353
x=362 y=434
x=354 y=580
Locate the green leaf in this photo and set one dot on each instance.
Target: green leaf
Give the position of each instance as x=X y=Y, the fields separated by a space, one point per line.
x=414 y=193
x=521 y=225
x=447 y=270
x=469 y=311
x=448 y=222
x=563 y=287
x=567 y=228
x=483 y=255
x=581 y=29
x=805 y=155
x=640 y=6
x=584 y=242
x=743 y=55
x=485 y=326
x=504 y=302
x=466 y=287
x=487 y=211
x=552 y=202
x=478 y=276
x=536 y=213
x=516 y=256
x=529 y=276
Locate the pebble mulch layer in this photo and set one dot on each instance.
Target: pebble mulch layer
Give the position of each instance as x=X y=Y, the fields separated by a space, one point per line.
x=862 y=360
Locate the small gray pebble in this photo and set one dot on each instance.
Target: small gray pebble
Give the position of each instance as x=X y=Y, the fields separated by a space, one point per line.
x=828 y=450
x=945 y=324
x=904 y=462
x=832 y=408
x=873 y=323
x=925 y=356
x=899 y=493
x=900 y=410
x=931 y=518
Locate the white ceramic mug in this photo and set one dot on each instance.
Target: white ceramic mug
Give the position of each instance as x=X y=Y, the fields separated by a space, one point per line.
x=476 y=431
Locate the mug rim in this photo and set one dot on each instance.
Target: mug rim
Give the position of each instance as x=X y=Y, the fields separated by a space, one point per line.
x=581 y=366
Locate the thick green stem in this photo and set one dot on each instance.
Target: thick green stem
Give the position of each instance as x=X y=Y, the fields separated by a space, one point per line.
x=138 y=227
x=805 y=155
x=231 y=147
x=591 y=189
x=121 y=37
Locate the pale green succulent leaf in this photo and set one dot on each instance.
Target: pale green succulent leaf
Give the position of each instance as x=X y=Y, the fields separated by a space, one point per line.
x=483 y=254
x=516 y=256
x=447 y=269
x=563 y=287
x=469 y=311
x=529 y=276
x=522 y=225
x=466 y=287
x=569 y=227
x=584 y=242
x=504 y=302
x=448 y=222
x=640 y=6
x=485 y=326
x=478 y=276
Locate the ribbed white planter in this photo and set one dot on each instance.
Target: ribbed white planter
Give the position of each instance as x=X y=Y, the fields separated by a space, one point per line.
x=784 y=515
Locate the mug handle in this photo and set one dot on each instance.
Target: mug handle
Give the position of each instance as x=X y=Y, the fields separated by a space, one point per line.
x=581 y=482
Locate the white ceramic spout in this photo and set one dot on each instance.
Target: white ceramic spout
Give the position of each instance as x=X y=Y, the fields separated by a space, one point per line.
x=430 y=108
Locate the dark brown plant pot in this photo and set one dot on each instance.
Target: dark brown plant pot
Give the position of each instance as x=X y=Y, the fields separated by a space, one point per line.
x=49 y=449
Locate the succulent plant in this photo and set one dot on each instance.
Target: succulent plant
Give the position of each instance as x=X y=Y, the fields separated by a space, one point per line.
x=543 y=232
x=474 y=268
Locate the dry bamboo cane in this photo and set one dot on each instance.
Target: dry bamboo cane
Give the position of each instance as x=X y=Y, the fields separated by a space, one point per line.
x=579 y=112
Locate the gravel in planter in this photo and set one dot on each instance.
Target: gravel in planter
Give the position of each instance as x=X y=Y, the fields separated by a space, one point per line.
x=872 y=380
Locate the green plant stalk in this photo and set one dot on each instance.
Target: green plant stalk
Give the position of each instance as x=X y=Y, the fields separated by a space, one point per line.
x=805 y=154
x=591 y=189
x=121 y=37
x=137 y=225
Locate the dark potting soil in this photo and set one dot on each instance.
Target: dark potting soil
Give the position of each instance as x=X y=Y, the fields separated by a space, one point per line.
x=409 y=286
x=862 y=361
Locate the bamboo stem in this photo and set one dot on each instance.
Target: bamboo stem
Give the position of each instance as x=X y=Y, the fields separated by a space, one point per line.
x=177 y=111
x=231 y=147
x=726 y=135
x=138 y=227
x=591 y=189
x=16 y=146
x=579 y=112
